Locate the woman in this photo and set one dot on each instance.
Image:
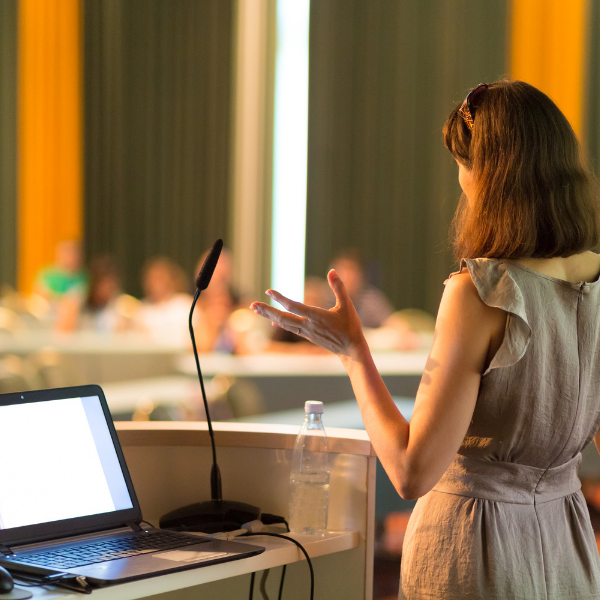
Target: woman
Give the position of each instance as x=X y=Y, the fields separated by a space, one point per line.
x=164 y=311
x=509 y=396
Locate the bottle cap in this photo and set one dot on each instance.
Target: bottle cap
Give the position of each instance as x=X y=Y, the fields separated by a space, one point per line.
x=313 y=406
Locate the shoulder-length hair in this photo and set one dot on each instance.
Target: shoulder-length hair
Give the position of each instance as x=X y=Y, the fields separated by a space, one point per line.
x=534 y=195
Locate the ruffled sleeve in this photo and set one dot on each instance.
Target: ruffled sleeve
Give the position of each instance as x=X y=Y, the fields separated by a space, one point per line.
x=498 y=289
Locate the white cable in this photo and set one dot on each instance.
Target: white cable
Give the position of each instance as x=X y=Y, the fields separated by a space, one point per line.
x=255 y=526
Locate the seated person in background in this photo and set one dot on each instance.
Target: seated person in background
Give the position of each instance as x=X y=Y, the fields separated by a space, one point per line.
x=65 y=276
x=164 y=311
x=64 y=285
x=371 y=304
x=100 y=311
x=217 y=302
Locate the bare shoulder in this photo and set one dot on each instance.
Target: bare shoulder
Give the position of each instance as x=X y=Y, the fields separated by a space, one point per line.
x=461 y=283
x=461 y=292
x=461 y=302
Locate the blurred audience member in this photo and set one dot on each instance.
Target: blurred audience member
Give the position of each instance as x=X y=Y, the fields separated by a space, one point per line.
x=66 y=275
x=211 y=321
x=217 y=302
x=100 y=312
x=371 y=303
x=64 y=285
x=164 y=310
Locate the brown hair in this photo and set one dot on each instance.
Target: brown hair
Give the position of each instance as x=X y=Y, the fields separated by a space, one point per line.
x=534 y=193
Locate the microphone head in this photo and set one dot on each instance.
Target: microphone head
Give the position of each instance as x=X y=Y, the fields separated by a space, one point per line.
x=208 y=266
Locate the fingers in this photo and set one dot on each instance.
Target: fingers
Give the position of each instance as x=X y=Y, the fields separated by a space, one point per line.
x=294 y=307
x=285 y=320
x=338 y=288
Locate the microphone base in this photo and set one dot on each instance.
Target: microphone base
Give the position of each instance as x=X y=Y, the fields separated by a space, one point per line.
x=210 y=517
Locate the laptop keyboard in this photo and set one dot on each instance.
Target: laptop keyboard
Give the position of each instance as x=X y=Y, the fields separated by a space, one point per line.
x=103 y=550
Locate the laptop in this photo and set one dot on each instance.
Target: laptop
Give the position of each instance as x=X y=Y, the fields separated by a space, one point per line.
x=67 y=503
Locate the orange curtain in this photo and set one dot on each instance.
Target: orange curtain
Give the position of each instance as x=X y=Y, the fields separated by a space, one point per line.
x=548 y=50
x=49 y=132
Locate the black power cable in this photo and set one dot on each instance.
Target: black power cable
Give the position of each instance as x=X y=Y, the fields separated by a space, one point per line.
x=281 y=582
x=284 y=569
x=263 y=584
x=285 y=537
x=269 y=519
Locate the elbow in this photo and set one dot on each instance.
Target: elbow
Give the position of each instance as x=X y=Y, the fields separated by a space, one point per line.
x=410 y=490
x=412 y=483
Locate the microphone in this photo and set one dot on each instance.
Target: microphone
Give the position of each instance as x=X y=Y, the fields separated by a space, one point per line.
x=215 y=515
x=207 y=269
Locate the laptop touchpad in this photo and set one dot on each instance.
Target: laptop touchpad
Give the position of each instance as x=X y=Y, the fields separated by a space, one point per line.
x=188 y=555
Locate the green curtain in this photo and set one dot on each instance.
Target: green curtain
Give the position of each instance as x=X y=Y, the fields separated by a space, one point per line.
x=384 y=74
x=592 y=108
x=8 y=141
x=157 y=129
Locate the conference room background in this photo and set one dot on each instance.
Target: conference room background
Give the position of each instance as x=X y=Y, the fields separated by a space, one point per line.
x=118 y=125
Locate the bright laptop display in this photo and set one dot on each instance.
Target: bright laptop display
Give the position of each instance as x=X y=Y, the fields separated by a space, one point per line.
x=62 y=463
x=67 y=502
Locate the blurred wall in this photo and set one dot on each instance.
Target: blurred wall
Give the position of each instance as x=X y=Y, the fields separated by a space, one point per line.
x=591 y=132
x=49 y=132
x=157 y=128
x=384 y=75
x=8 y=141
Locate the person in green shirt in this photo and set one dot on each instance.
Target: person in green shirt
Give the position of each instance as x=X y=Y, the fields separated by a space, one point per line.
x=66 y=275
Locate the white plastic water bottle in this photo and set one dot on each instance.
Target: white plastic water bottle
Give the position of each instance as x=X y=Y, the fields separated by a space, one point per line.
x=309 y=478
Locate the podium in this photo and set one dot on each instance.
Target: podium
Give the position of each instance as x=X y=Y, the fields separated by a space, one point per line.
x=170 y=463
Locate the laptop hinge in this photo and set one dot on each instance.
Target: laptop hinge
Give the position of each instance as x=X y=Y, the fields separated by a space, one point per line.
x=5 y=550
x=134 y=526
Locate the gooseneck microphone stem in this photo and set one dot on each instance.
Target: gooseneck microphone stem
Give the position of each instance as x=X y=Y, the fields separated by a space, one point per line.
x=216 y=514
x=215 y=474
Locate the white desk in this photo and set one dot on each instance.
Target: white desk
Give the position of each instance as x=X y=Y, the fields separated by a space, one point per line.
x=29 y=341
x=300 y=365
x=170 y=466
x=90 y=357
x=284 y=381
x=227 y=578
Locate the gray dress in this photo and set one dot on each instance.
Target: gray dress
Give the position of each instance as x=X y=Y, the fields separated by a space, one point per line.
x=508 y=519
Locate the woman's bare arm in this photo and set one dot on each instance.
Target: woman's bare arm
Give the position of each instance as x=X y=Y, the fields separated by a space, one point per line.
x=414 y=455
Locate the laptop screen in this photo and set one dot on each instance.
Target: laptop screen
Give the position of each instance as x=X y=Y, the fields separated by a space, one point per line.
x=59 y=462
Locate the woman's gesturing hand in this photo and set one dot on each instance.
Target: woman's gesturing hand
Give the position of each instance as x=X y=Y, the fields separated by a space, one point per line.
x=337 y=329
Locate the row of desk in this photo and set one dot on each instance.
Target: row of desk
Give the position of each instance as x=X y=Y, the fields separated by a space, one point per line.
x=131 y=367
